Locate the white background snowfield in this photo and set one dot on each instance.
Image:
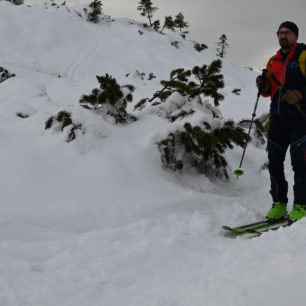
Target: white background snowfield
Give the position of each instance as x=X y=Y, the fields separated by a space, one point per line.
x=98 y=221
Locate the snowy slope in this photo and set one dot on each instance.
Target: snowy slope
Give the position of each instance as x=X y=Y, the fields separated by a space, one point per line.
x=98 y=221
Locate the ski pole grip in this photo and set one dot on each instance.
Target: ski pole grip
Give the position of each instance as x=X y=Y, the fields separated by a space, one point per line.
x=263 y=74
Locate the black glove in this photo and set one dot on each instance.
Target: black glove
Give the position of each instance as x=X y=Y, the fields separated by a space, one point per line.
x=263 y=83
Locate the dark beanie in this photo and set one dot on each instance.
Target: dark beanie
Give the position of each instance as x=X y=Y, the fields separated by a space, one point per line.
x=290 y=25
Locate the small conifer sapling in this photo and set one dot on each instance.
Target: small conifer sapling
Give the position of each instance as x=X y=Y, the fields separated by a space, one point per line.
x=147 y=9
x=222 y=46
x=181 y=24
x=96 y=11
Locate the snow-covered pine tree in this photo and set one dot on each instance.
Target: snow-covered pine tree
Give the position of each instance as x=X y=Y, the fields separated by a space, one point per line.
x=96 y=11
x=147 y=9
x=156 y=25
x=168 y=24
x=222 y=46
x=200 y=147
x=110 y=99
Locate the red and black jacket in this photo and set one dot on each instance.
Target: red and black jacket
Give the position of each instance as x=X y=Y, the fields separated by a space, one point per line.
x=291 y=73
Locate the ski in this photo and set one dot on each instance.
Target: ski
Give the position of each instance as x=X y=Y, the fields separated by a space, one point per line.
x=252 y=227
x=259 y=232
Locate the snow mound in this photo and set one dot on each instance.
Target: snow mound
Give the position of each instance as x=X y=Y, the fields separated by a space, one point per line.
x=97 y=221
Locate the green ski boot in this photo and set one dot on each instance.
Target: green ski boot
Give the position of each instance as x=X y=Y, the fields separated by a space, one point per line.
x=278 y=211
x=298 y=212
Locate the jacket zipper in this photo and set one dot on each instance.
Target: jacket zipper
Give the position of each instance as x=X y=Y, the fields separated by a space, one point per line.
x=281 y=77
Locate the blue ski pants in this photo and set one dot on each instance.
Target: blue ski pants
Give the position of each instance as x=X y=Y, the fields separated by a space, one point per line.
x=284 y=133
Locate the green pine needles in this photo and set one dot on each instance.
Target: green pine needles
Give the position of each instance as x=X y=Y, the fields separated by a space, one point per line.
x=201 y=148
x=110 y=99
x=189 y=99
x=181 y=24
x=222 y=46
x=169 y=23
x=147 y=9
x=62 y=121
x=202 y=81
x=5 y=74
x=200 y=47
x=96 y=11
x=259 y=129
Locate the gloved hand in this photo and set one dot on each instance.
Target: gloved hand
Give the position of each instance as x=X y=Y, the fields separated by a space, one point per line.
x=263 y=83
x=292 y=96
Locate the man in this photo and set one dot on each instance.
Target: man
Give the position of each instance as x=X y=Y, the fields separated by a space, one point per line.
x=285 y=83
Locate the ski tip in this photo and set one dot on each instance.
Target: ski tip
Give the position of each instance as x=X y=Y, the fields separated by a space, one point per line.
x=227 y=228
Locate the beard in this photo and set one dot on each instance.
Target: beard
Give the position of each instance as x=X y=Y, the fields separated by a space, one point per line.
x=285 y=44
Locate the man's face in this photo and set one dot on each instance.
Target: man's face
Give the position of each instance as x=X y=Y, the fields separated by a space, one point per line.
x=286 y=38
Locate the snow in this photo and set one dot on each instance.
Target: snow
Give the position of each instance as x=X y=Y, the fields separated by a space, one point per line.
x=98 y=221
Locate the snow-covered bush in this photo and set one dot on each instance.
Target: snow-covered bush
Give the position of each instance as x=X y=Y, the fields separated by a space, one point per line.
x=200 y=141
x=51 y=3
x=236 y=91
x=259 y=129
x=16 y=2
x=110 y=99
x=61 y=121
x=200 y=47
x=4 y=74
x=92 y=12
x=201 y=148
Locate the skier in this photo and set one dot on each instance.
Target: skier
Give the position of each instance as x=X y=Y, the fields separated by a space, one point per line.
x=285 y=83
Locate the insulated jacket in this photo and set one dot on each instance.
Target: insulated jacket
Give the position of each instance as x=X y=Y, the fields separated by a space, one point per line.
x=291 y=73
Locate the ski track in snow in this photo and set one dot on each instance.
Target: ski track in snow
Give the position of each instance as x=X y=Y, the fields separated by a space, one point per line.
x=99 y=222
x=86 y=53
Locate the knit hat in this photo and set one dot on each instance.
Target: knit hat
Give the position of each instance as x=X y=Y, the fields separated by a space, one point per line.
x=290 y=25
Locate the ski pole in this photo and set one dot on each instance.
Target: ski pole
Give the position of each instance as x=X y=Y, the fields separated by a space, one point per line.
x=238 y=172
x=282 y=87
